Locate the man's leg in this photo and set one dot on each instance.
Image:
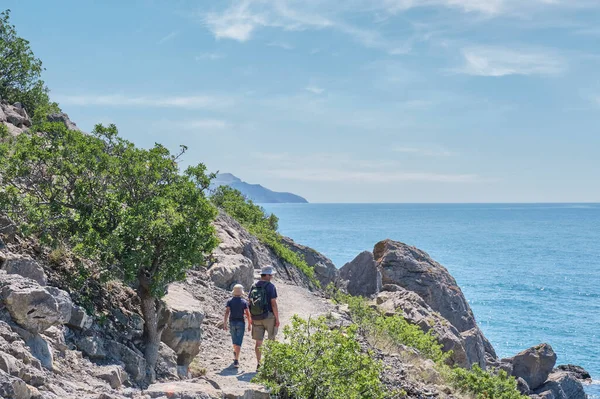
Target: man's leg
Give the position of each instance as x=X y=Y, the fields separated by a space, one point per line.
x=257 y=350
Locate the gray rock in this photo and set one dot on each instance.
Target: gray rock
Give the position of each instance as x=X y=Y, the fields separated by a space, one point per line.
x=230 y=270
x=26 y=267
x=13 y=387
x=32 y=306
x=562 y=385
x=8 y=229
x=41 y=350
x=362 y=275
x=167 y=363
x=576 y=371
x=415 y=271
x=64 y=119
x=114 y=375
x=134 y=362
x=533 y=364
x=325 y=270
x=183 y=332
x=79 y=318
x=522 y=386
x=92 y=346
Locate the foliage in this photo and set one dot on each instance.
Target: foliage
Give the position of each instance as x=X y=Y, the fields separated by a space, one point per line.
x=20 y=72
x=315 y=361
x=485 y=384
x=394 y=329
x=112 y=202
x=258 y=223
x=127 y=209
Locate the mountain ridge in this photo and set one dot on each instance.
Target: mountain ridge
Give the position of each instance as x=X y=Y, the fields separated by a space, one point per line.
x=256 y=192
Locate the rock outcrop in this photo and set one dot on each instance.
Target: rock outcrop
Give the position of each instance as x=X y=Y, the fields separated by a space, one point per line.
x=534 y=365
x=239 y=254
x=14 y=117
x=183 y=331
x=441 y=307
x=561 y=385
x=325 y=270
x=361 y=276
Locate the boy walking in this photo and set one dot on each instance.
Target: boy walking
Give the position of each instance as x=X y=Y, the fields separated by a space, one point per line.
x=263 y=308
x=235 y=310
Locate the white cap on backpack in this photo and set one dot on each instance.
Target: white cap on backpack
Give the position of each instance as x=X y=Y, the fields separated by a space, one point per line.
x=267 y=270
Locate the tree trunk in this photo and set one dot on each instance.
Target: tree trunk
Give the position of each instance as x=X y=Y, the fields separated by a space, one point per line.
x=151 y=310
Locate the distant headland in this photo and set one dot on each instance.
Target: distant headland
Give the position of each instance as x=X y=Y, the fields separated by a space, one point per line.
x=256 y=192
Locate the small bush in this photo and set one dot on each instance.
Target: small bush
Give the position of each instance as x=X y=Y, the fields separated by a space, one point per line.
x=318 y=362
x=484 y=384
x=394 y=329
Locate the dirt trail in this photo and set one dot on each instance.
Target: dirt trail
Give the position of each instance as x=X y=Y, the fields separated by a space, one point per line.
x=218 y=358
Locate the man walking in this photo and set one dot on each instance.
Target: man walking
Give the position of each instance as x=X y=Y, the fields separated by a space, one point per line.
x=263 y=308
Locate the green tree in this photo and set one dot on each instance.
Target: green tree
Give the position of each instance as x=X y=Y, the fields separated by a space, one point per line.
x=20 y=71
x=128 y=209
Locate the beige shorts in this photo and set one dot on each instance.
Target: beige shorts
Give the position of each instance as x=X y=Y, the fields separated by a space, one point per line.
x=260 y=326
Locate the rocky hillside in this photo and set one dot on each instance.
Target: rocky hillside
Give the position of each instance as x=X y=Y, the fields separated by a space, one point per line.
x=51 y=347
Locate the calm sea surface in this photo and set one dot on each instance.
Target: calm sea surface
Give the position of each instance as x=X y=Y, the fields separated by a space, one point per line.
x=530 y=272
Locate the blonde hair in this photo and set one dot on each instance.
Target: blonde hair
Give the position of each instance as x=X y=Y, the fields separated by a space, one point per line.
x=238 y=290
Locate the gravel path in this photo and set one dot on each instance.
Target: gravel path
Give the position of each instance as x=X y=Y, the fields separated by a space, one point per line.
x=217 y=353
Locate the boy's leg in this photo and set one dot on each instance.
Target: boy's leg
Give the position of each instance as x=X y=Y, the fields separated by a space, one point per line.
x=236 y=351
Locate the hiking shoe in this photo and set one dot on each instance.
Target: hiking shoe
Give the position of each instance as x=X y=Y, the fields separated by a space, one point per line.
x=236 y=364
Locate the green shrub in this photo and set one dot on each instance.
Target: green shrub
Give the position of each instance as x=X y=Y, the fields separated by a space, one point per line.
x=394 y=329
x=20 y=72
x=484 y=384
x=263 y=226
x=318 y=362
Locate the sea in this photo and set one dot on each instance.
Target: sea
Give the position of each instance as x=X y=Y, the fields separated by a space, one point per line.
x=531 y=272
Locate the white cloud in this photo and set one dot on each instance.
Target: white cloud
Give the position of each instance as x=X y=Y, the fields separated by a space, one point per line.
x=168 y=37
x=283 y=45
x=338 y=175
x=497 y=61
x=429 y=152
x=209 y=56
x=314 y=89
x=336 y=167
x=119 y=100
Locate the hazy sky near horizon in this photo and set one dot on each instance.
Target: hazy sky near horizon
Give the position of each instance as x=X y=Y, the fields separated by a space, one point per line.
x=342 y=101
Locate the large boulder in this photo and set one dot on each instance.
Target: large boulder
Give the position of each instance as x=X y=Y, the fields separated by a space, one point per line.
x=32 y=306
x=183 y=332
x=133 y=360
x=394 y=264
x=26 y=267
x=533 y=365
x=361 y=276
x=325 y=270
x=562 y=385
x=414 y=270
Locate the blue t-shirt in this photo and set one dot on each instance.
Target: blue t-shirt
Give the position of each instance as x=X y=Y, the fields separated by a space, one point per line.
x=271 y=292
x=236 y=306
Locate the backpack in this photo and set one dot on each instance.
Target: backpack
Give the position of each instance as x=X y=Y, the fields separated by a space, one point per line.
x=258 y=300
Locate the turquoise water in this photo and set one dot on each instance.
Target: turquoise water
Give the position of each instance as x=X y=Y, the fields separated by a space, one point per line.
x=530 y=272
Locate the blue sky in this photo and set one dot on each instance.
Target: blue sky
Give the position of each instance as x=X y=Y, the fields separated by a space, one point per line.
x=342 y=101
